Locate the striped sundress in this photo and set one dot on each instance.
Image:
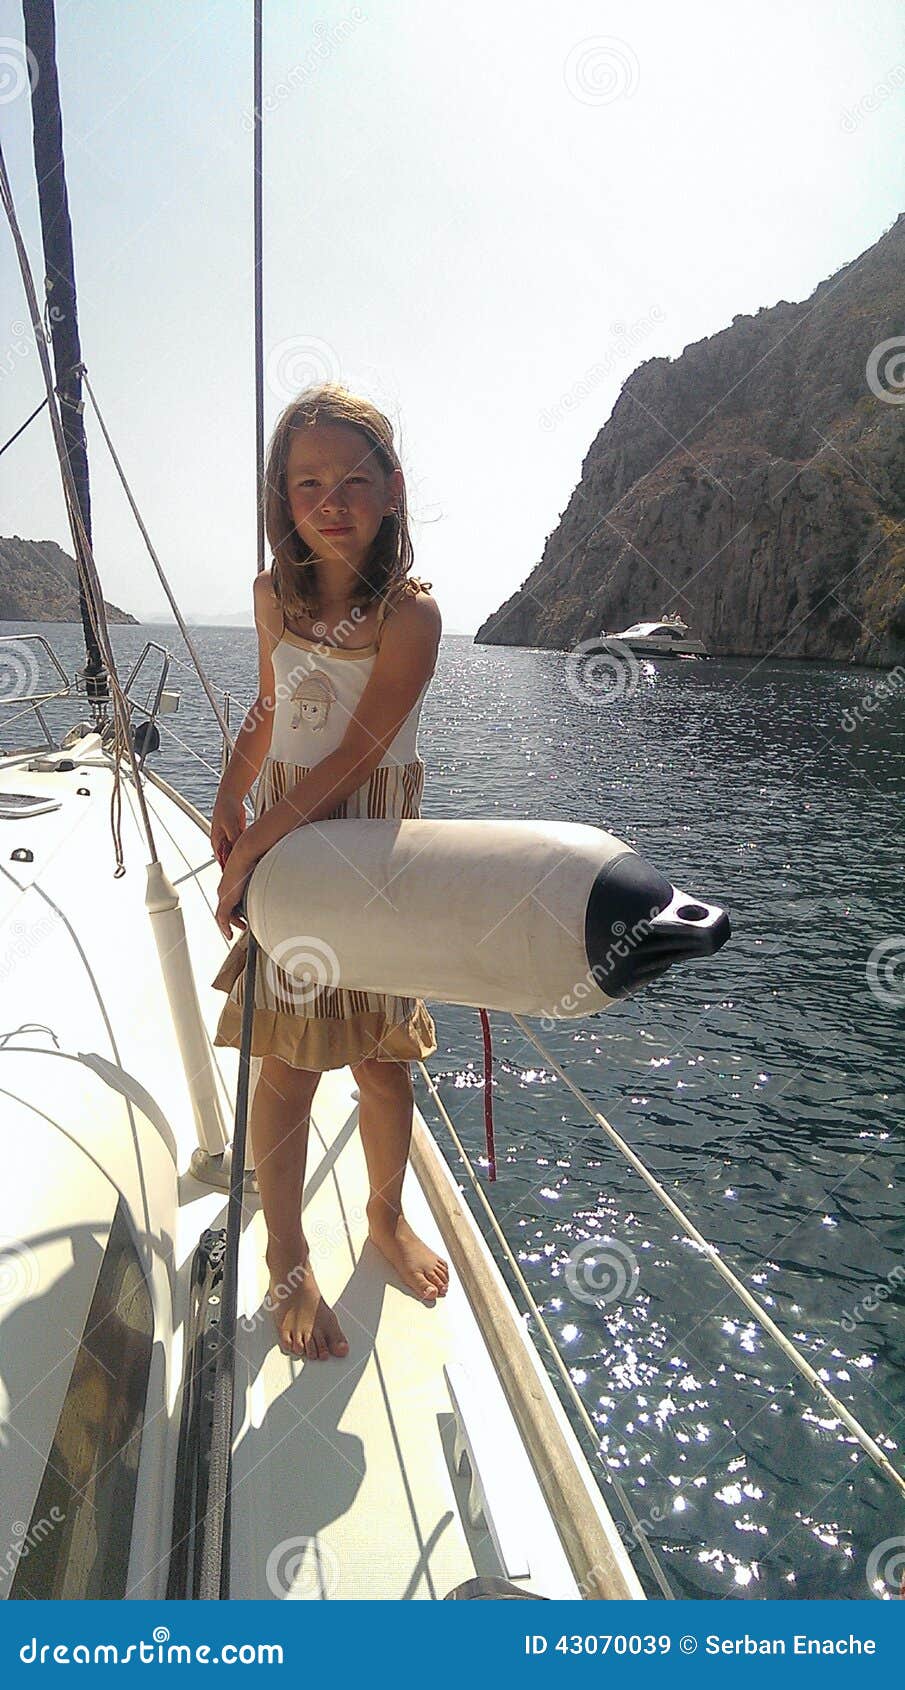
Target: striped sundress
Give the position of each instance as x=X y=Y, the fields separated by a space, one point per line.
x=317 y=689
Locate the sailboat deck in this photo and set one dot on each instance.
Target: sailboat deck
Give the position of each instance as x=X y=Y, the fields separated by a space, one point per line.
x=343 y=1478
x=343 y=1483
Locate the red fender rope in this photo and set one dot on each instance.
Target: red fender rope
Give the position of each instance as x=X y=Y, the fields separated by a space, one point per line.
x=488 y=1095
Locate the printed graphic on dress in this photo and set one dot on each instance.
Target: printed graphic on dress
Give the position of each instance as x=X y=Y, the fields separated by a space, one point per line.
x=313 y=697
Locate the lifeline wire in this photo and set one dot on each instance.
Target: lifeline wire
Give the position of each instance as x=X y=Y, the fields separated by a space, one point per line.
x=868 y=1444
x=632 y=1518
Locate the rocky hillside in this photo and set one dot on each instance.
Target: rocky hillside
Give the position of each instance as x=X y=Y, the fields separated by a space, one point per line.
x=39 y=583
x=755 y=484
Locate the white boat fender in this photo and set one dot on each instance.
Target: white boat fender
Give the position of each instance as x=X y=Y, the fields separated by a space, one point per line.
x=535 y=917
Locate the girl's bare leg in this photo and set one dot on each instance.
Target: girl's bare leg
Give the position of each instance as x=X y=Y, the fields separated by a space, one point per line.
x=278 y=1126
x=385 y=1123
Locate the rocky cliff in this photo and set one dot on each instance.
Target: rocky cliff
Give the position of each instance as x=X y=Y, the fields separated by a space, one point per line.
x=39 y=583
x=755 y=484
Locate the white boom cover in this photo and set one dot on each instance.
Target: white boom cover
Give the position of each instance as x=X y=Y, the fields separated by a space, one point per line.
x=487 y=913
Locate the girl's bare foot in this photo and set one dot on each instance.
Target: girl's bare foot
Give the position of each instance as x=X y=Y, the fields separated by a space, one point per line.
x=306 y=1325
x=422 y=1270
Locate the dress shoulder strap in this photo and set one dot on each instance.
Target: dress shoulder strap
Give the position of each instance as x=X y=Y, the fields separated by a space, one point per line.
x=409 y=587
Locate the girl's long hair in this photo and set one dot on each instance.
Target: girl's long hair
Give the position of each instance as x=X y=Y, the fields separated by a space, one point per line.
x=385 y=573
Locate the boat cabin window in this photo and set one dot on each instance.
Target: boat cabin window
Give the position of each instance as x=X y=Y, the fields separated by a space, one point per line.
x=80 y=1532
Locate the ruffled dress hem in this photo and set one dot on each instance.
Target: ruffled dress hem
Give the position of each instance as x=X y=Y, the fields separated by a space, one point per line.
x=319 y=1043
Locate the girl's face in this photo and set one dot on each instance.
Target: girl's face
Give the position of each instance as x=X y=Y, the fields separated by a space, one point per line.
x=334 y=481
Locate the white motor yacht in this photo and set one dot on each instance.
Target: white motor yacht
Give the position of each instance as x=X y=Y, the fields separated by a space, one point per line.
x=670 y=637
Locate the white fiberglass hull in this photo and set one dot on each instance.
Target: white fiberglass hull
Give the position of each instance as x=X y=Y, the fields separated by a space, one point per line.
x=344 y=1479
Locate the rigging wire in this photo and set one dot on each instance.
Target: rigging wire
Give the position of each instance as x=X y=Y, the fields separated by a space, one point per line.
x=161 y=576
x=93 y=596
x=636 y=1525
x=794 y=1355
x=259 y=281
x=35 y=413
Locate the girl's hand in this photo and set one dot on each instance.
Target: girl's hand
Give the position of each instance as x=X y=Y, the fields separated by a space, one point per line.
x=236 y=875
x=227 y=826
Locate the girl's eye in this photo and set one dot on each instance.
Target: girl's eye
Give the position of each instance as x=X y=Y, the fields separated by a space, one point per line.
x=351 y=478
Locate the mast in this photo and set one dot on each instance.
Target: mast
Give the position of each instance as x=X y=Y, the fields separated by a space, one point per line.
x=59 y=280
x=259 y=289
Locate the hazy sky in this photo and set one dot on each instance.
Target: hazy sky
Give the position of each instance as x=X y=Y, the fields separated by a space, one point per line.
x=483 y=214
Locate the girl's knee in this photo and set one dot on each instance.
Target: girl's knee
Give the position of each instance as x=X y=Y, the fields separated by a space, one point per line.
x=281 y=1077
x=374 y=1071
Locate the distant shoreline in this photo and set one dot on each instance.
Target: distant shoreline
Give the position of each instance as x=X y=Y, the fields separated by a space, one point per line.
x=164 y=622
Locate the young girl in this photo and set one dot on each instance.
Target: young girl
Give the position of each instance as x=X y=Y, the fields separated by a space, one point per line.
x=347 y=647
